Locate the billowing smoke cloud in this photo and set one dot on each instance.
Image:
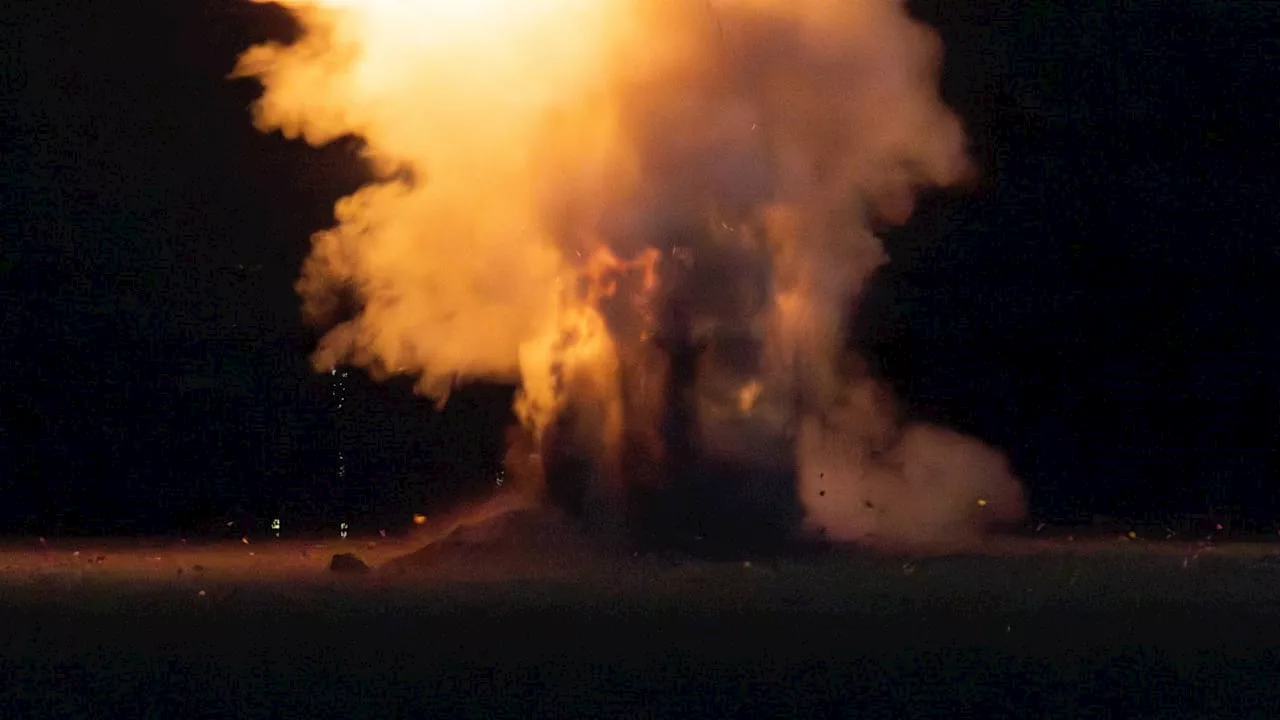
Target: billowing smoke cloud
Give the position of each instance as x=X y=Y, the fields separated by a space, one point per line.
x=652 y=215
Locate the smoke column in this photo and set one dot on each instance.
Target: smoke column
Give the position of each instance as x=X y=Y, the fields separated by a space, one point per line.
x=652 y=216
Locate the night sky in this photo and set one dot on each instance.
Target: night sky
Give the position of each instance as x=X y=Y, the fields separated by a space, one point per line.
x=1102 y=306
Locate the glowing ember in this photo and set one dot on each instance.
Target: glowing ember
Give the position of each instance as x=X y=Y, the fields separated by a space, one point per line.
x=748 y=395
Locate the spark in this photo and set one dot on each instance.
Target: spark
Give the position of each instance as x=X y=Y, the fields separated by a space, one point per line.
x=339 y=391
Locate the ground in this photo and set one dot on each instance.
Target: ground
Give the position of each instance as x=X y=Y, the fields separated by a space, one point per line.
x=1112 y=627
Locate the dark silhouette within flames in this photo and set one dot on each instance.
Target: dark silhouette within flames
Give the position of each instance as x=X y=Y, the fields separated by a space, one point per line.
x=671 y=492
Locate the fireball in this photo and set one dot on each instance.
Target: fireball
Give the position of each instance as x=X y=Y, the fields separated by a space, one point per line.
x=566 y=192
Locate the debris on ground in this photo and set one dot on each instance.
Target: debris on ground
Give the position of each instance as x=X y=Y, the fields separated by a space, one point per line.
x=347 y=563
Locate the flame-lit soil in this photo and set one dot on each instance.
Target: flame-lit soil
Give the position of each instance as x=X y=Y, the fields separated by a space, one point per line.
x=225 y=567
x=1019 y=627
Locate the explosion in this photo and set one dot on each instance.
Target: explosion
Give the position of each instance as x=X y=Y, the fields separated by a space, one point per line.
x=653 y=217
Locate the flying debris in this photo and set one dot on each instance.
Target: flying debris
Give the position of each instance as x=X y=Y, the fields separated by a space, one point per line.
x=240 y=272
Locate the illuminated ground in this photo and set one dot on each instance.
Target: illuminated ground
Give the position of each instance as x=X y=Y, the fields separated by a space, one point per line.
x=1025 y=628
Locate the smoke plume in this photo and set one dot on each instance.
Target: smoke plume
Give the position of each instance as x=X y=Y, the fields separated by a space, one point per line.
x=653 y=217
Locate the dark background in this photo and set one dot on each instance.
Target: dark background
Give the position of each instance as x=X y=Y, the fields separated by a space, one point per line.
x=1101 y=307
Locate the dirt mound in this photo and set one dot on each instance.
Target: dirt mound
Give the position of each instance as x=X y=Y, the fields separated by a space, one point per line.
x=347 y=563
x=519 y=543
